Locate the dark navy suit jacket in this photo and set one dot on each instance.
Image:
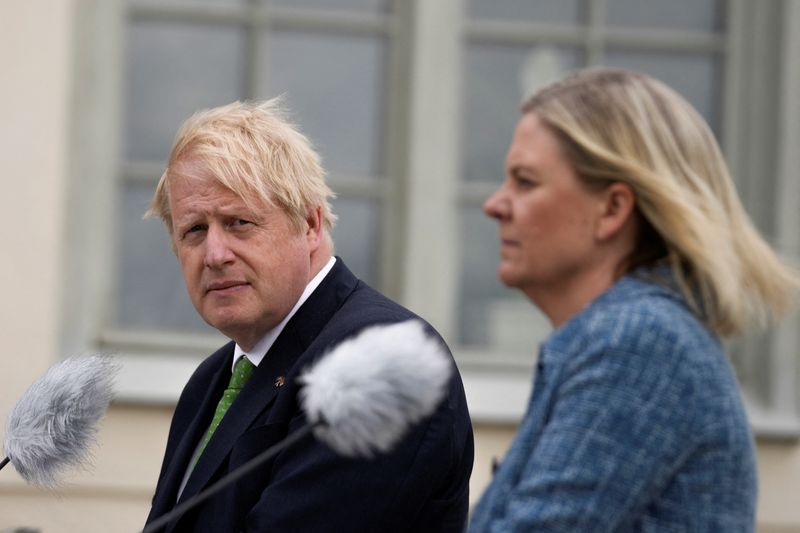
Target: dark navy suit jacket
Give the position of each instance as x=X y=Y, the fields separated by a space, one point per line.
x=422 y=485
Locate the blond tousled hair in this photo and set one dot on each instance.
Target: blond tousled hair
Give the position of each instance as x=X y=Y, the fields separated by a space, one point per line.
x=622 y=126
x=253 y=150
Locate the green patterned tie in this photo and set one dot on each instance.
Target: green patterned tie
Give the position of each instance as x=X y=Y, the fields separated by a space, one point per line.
x=241 y=373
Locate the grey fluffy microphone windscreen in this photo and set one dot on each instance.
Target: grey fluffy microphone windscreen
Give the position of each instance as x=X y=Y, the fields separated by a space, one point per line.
x=363 y=397
x=360 y=398
x=55 y=421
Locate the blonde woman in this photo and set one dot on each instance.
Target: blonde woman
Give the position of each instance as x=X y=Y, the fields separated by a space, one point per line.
x=619 y=220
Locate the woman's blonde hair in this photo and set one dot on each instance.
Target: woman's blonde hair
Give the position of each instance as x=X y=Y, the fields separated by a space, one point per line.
x=623 y=126
x=251 y=149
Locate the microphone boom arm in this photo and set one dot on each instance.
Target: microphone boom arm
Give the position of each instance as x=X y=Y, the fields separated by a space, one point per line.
x=237 y=474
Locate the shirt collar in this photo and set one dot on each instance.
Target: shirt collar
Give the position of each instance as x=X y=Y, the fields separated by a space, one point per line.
x=262 y=346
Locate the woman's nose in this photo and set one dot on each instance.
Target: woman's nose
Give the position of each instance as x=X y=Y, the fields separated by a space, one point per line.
x=496 y=206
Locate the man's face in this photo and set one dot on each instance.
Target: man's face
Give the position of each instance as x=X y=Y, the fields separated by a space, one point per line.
x=244 y=267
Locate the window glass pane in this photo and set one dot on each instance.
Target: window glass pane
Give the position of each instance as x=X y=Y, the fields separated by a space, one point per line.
x=754 y=367
x=560 y=11
x=356 y=237
x=198 y=2
x=697 y=77
x=498 y=78
x=150 y=292
x=700 y=15
x=491 y=315
x=375 y=6
x=334 y=86
x=173 y=71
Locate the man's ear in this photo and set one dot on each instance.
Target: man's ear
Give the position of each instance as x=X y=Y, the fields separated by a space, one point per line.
x=314 y=227
x=617 y=208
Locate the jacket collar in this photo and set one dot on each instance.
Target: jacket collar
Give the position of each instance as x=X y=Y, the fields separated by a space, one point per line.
x=262 y=388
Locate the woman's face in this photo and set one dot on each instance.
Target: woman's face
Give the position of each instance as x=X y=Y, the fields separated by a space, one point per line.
x=548 y=218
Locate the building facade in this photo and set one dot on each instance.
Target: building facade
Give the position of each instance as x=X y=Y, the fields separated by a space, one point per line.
x=412 y=104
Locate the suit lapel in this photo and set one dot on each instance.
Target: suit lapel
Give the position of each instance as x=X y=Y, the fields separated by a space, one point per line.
x=168 y=488
x=256 y=396
x=260 y=391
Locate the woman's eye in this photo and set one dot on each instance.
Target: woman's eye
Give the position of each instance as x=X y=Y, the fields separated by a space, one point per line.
x=524 y=183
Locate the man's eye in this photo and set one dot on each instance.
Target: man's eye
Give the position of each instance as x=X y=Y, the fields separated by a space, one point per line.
x=193 y=229
x=239 y=222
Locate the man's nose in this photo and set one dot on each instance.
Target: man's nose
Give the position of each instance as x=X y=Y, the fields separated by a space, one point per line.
x=218 y=249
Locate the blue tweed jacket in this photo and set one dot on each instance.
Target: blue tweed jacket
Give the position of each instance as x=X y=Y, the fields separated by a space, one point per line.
x=635 y=423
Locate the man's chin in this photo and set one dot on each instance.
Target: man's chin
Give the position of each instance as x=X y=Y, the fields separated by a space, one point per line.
x=228 y=324
x=241 y=328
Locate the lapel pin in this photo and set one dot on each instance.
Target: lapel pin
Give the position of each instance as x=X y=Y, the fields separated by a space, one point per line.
x=279 y=381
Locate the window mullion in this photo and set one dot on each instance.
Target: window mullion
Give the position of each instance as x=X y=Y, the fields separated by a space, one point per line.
x=787 y=238
x=430 y=263
x=596 y=24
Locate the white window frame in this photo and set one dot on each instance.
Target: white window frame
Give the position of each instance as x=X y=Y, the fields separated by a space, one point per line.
x=422 y=192
x=498 y=386
x=156 y=365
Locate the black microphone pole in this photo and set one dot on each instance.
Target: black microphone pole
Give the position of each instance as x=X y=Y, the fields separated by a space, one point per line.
x=237 y=474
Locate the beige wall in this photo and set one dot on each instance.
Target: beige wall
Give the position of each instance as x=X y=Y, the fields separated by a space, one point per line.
x=113 y=496
x=33 y=107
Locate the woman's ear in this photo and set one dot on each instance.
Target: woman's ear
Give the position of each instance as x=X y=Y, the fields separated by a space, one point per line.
x=617 y=208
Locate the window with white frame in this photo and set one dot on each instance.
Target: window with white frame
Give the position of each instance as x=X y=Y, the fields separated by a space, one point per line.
x=329 y=61
x=511 y=47
x=412 y=104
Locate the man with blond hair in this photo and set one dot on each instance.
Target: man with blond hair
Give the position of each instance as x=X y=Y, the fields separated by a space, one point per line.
x=245 y=203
